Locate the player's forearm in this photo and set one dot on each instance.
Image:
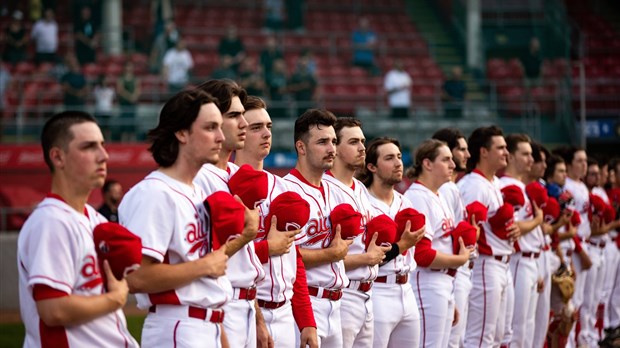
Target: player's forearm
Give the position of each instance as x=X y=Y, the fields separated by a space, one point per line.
x=314 y=258
x=353 y=261
x=158 y=277
x=75 y=309
x=442 y=261
x=235 y=245
x=527 y=226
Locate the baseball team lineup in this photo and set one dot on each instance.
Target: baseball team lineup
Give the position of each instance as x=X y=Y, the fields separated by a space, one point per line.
x=497 y=242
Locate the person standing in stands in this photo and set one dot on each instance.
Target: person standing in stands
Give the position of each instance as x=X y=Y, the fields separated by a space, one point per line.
x=86 y=37
x=397 y=85
x=112 y=193
x=45 y=36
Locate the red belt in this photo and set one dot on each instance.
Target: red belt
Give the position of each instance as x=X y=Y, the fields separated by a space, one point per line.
x=569 y=252
x=600 y=244
x=546 y=247
x=530 y=254
x=332 y=295
x=270 y=305
x=212 y=315
x=245 y=293
x=502 y=258
x=363 y=286
x=449 y=271
x=471 y=264
x=400 y=279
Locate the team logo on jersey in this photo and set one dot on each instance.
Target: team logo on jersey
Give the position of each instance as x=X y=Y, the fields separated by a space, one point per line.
x=319 y=230
x=197 y=236
x=447 y=225
x=90 y=271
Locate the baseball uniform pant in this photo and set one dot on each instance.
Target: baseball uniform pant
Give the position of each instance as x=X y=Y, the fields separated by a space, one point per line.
x=543 y=305
x=327 y=317
x=434 y=292
x=591 y=296
x=356 y=313
x=397 y=320
x=281 y=325
x=612 y=258
x=580 y=281
x=614 y=301
x=525 y=279
x=240 y=323
x=462 y=288
x=487 y=301
x=170 y=326
x=503 y=337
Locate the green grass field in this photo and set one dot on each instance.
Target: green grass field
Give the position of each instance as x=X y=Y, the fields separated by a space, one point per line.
x=12 y=335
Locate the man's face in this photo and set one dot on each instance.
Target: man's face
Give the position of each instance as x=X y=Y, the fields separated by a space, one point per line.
x=234 y=126
x=389 y=167
x=559 y=174
x=604 y=175
x=115 y=193
x=84 y=160
x=204 y=139
x=460 y=154
x=579 y=165
x=258 y=136
x=538 y=168
x=443 y=166
x=496 y=154
x=320 y=149
x=522 y=159
x=593 y=175
x=351 y=150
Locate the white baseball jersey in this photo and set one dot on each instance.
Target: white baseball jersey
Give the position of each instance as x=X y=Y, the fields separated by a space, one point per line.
x=581 y=195
x=476 y=187
x=451 y=195
x=533 y=240
x=244 y=269
x=174 y=225
x=401 y=264
x=439 y=216
x=357 y=197
x=318 y=231
x=56 y=249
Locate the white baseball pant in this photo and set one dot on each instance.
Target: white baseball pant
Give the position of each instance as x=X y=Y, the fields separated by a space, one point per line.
x=170 y=326
x=543 y=305
x=612 y=258
x=328 y=322
x=591 y=296
x=281 y=325
x=462 y=288
x=356 y=314
x=397 y=320
x=525 y=279
x=434 y=293
x=240 y=323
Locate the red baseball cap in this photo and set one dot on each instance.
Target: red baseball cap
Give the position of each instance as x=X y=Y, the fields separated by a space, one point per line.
x=551 y=210
x=385 y=227
x=537 y=193
x=417 y=219
x=227 y=218
x=250 y=185
x=350 y=221
x=575 y=220
x=478 y=210
x=597 y=206
x=466 y=231
x=291 y=211
x=503 y=218
x=614 y=195
x=512 y=194
x=609 y=214
x=122 y=249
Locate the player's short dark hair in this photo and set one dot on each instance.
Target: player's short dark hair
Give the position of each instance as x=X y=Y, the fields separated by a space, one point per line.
x=552 y=162
x=479 y=138
x=513 y=141
x=372 y=156
x=592 y=162
x=429 y=149
x=108 y=185
x=345 y=122
x=449 y=136
x=312 y=117
x=537 y=148
x=254 y=103
x=57 y=131
x=224 y=90
x=179 y=113
x=567 y=153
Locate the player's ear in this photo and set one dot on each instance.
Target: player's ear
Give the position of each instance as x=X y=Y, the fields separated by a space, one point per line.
x=182 y=135
x=57 y=157
x=371 y=167
x=300 y=147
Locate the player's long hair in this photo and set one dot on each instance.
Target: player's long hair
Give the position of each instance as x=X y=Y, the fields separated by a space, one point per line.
x=179 y=113
x=479 y=138
x=429 y=149
x=372 y=156
x=224 y=90
x=56 y=131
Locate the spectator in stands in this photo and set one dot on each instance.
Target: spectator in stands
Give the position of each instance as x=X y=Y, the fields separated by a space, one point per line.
x=86 y=37
x=74 y=84
x=16 y=40
x=302 y=85
x=269 y=54
x=177 y=65
x=454 y=94
x=103 y=94
x=274 y=15
x=397 y=84
x=128 y=90
x=45 y=36
x=112 y=193
x=163 y=42
x=311 y=64
x=232 y=45
x=276 y=85
x=251 y=78
x=532 y=63
x=224 y=70
x=364 y=45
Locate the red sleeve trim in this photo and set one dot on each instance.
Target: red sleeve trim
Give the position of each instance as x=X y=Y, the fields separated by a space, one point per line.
x=424 y=253
x=46 y=292
x=302 y=307
x=578 y=247
x=262 y=250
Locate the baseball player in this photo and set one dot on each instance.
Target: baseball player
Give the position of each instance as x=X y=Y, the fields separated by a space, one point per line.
x=612 y=255
x=491 y=273
x=433 y=282
x=283 y=295
x=62 y=301
x=524 y=262
x=244 y=269
x=397 y=320
x=324 y=249
x=449 y=191
x=361 y=265
x=181 y=280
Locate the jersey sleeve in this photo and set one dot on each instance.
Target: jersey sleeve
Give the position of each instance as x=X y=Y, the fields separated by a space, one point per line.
x=149 y=213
